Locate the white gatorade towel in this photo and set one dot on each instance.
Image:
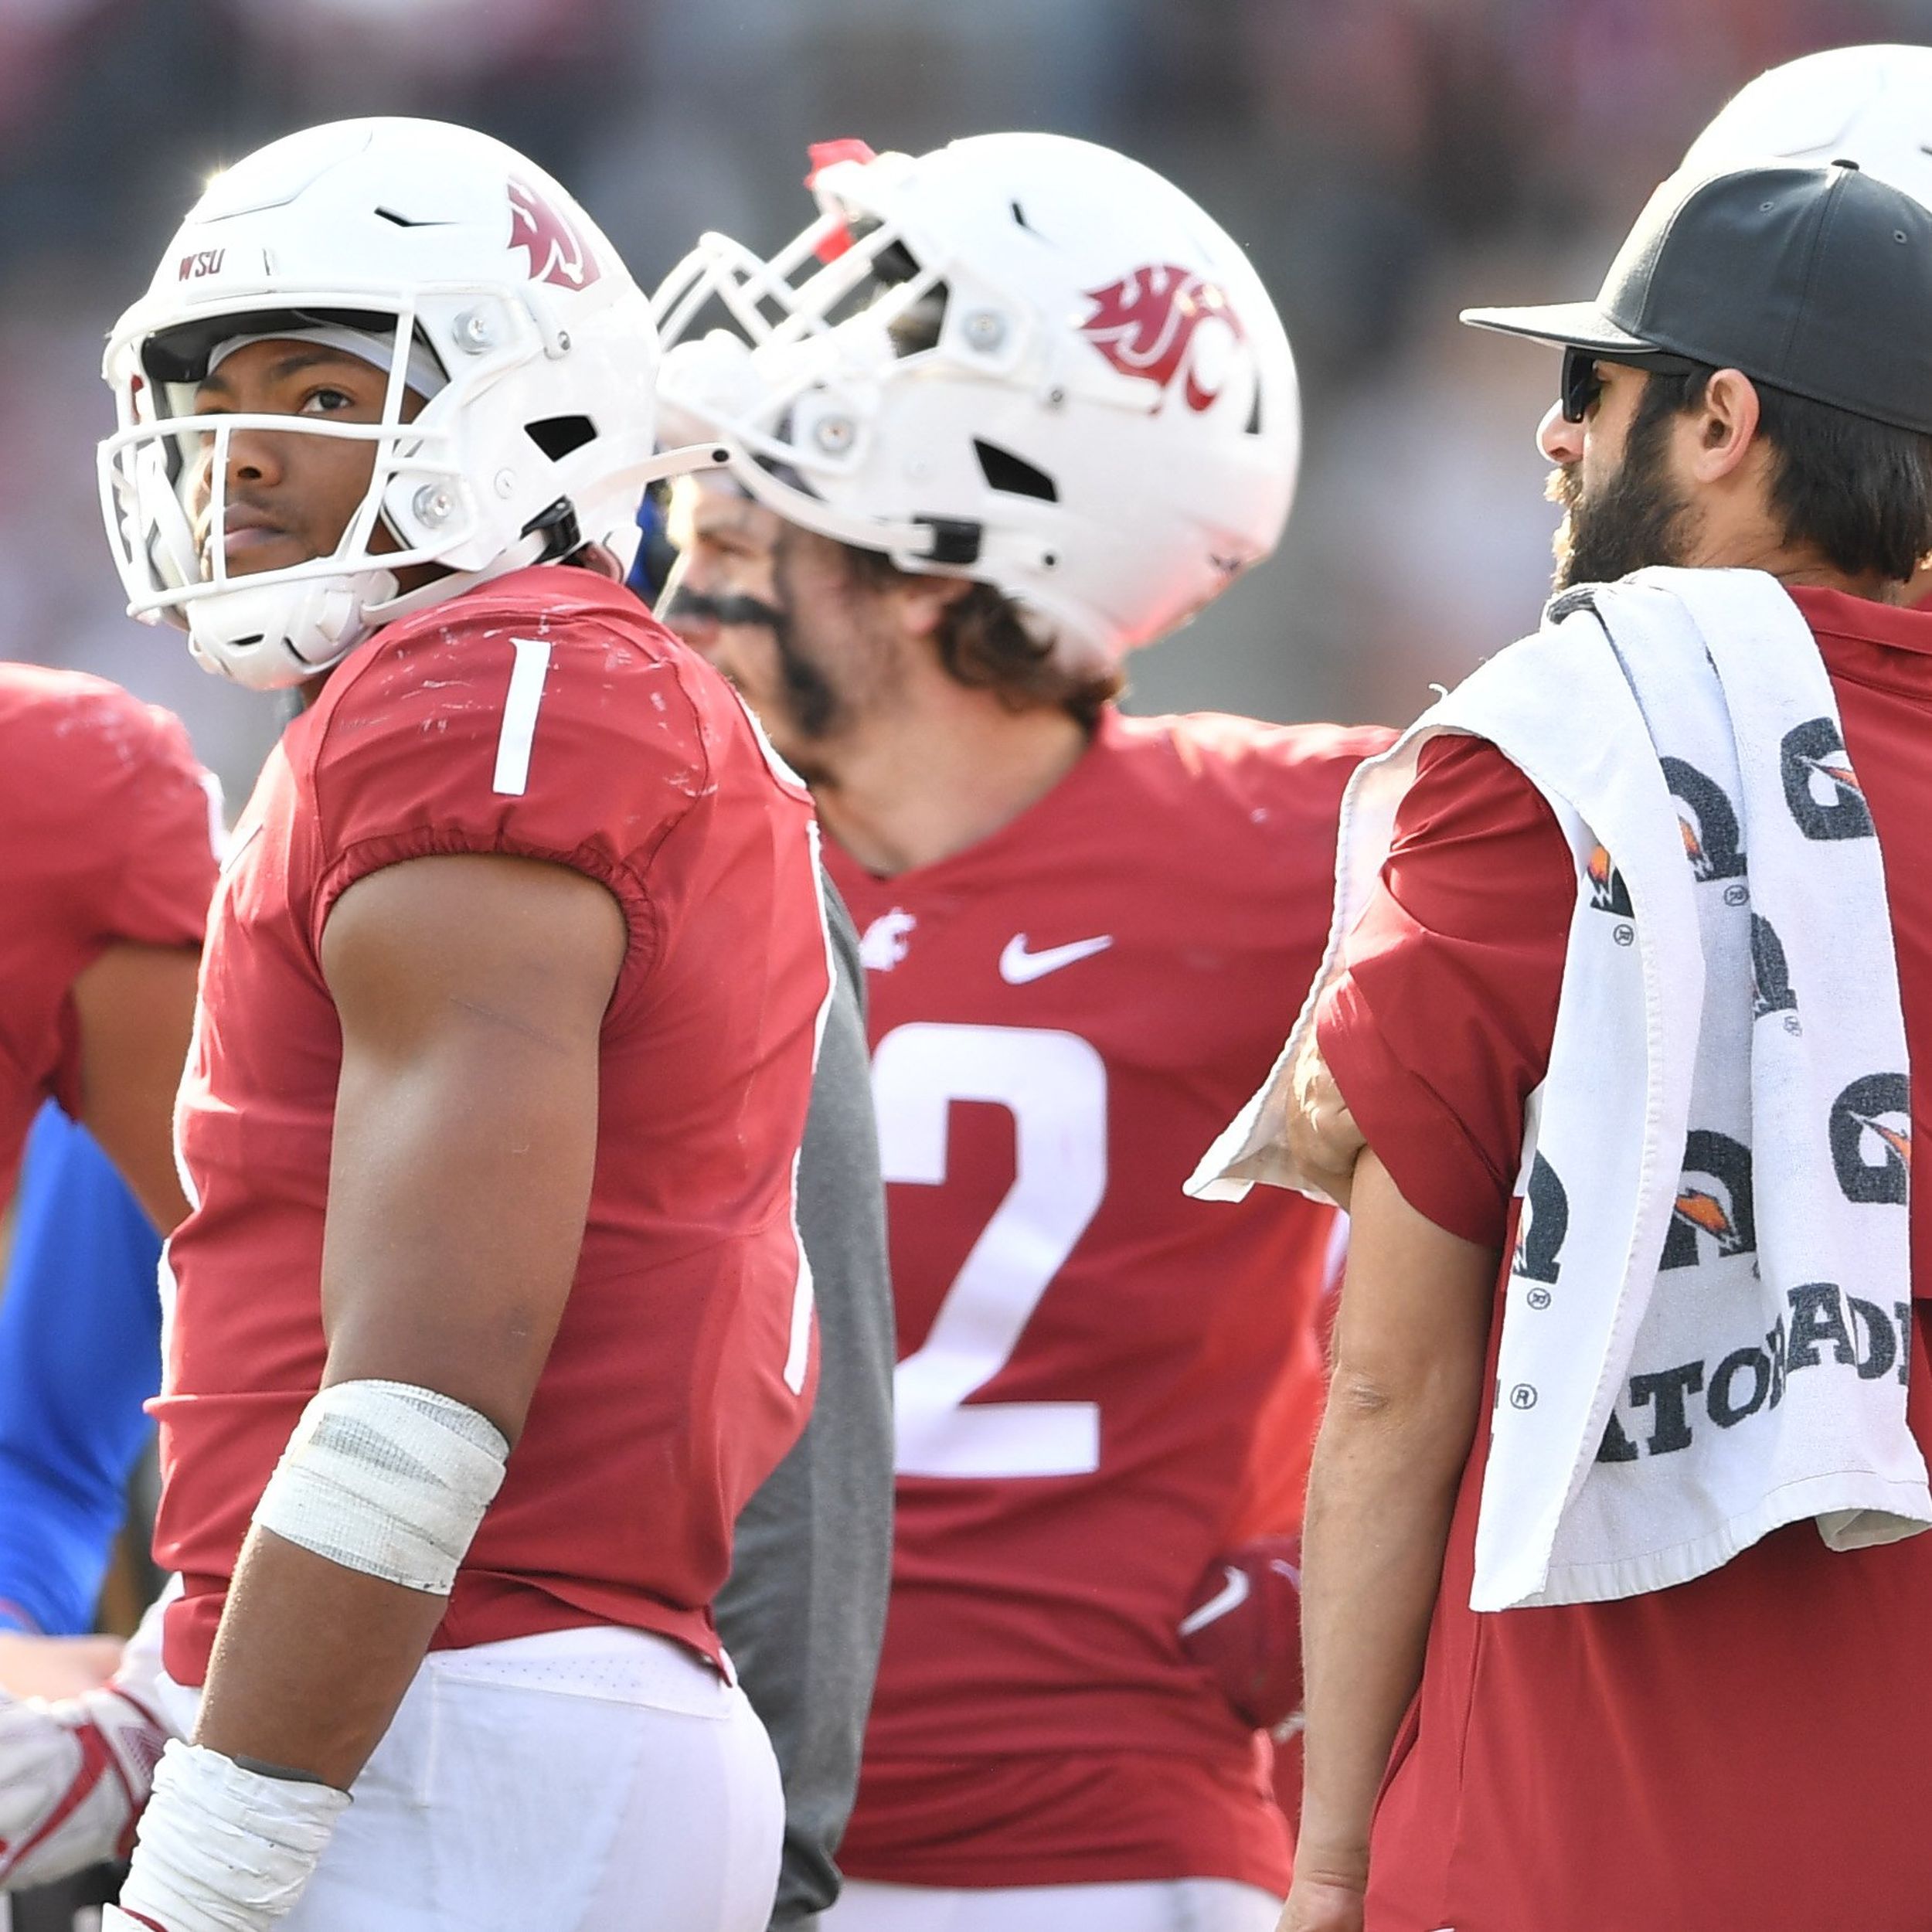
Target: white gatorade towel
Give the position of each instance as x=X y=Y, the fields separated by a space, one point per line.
x=1708 y=1319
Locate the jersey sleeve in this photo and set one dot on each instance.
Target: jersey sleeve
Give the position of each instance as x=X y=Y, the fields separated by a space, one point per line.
x=110 y=841
x=173 y=820
x=572 y=748
x=1440 y=1027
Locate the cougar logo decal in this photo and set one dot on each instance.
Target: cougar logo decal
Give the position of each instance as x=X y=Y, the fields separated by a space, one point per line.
x=1873 y=1118
x=557 y=251
x=1144 y=324
x=1820 y=786
x=1713 y=1201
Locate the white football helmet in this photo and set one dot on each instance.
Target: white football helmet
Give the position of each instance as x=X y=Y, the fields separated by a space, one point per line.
x=1872 y=105
x=1021 y=359
x=441 y=248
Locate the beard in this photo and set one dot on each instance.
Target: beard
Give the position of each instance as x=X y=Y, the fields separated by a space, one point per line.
x=811 y=704
x=1635 y=518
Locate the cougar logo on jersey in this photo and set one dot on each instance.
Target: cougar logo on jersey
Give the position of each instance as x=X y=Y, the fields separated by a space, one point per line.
x=1145 y=323
x=556 y=251
x=884 y=942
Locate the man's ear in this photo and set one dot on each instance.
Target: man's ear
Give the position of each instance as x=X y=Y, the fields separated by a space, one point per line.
x=923 y=601
x=1724 y=425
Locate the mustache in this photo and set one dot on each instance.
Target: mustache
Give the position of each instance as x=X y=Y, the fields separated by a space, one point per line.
x=737 y=609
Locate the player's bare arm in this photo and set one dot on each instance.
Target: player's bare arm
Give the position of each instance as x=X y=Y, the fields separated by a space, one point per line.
x=1323 y=1140
x=136 y=1007
x=471 y=990
x=1402 y=1411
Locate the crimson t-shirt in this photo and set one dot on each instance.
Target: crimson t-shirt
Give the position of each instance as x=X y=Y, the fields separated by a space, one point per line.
x=546 y=716
x=106 y=837
x=1062 y=1015
x=1744 y=1753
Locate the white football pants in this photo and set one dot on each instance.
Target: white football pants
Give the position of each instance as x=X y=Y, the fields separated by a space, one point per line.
x=585 y=1780
x=1175 y=1905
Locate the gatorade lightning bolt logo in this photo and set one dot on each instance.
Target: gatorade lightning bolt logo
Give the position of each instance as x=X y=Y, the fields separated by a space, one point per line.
x=1820 y=786
x=1544 y=1222
x=1608 y=892
x=1713 y=1202
x=1871 y=1138
x=557 y=251
x=1144 y=324
x=1771 y=972
x=1708 y=822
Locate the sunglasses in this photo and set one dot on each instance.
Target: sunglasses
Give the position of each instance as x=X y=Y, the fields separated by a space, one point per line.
x=1579 y=385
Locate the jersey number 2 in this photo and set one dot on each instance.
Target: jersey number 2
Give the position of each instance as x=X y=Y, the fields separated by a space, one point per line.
x=1054 y=1085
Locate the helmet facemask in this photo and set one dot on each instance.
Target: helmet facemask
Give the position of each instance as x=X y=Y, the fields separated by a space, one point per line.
x=164 y=478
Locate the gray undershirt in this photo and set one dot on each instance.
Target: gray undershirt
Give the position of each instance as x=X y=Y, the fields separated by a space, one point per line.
x=805 y=1609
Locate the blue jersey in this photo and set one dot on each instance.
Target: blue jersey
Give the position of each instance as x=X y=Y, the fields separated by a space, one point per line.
x=80 y=1354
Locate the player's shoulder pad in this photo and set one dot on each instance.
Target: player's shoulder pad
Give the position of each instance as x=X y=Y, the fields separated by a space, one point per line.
x=547 y=714
x=84 y=739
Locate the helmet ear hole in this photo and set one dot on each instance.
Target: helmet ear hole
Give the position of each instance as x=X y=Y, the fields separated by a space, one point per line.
x=557 y=435
x=1013 y=474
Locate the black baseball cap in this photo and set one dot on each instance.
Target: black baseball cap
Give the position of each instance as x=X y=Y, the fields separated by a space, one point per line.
x=1816 y=280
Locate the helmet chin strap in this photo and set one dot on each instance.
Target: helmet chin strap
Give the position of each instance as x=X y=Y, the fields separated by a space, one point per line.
x=270 y=636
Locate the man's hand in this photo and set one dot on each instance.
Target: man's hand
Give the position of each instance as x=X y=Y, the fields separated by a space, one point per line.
x=55 y=1666
x=1316 y=1905
x=73 y=1777
x=1245 y=1629
x=1323 y=1139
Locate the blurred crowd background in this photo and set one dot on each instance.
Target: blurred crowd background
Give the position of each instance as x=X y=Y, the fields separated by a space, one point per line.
x=1387 y=161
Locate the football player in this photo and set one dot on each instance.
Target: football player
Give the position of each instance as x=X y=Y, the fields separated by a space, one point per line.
x=489 y=1310
x=108 y=831
x=106 y=864
x=1001 y=413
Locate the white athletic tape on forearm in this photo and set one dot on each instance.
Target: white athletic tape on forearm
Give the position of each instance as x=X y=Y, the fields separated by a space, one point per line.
x=222 y=1849
x=387 y=1478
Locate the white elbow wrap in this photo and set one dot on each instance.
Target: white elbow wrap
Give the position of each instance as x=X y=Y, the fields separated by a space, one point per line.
x=387 y=1478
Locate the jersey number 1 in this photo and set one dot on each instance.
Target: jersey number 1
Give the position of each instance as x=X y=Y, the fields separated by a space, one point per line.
x=1054 y=1085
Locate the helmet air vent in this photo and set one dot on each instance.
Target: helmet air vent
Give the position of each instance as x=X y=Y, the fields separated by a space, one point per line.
x=1013 y=475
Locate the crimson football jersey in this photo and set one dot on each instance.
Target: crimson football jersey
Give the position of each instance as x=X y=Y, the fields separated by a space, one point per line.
x=1064 y=1016
x=107 y=836
x=546 y=716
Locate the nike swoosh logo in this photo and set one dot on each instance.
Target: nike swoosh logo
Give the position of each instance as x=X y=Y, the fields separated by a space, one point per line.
x=1017 y=966
x=1231 y=1595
